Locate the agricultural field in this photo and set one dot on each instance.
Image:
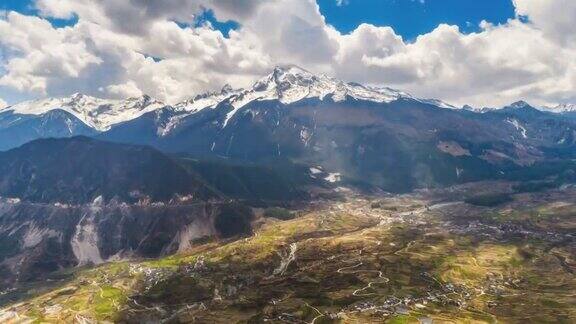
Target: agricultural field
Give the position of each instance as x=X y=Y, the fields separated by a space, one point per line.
x=418 y=258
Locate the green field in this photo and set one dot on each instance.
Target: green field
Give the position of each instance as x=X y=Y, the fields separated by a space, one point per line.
x=358 y=261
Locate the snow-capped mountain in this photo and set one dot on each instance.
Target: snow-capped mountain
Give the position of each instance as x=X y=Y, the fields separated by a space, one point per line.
x=558 y=109
x=287 y=84
x=290 y=84
x=478 y=109
x=561 y=108
x=206 y=100
x=377 y=136
x=145 y=120
x=100 y=114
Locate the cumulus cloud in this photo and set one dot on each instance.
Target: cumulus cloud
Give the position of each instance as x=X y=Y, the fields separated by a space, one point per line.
x=103 y=61
x=122 y=48
x=137 y=16
x=3 y=103
x=41 y=53
x=494 y=66
x=292 y=32
x=553 y=17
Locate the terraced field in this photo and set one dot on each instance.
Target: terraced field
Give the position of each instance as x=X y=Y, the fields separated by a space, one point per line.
x=404 y=259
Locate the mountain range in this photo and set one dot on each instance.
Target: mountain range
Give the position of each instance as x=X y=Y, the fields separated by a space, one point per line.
x=287 y=84
x=353 y=135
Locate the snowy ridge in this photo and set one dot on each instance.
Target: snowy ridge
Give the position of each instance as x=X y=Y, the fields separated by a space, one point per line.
x=480 y=110
x=100 y=114
x=291 y=84
x=562 y=108
x=287 y=84
x=206 y=100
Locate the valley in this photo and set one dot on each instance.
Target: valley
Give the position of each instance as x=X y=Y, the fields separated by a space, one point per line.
x=422 y=257
x=301 y=199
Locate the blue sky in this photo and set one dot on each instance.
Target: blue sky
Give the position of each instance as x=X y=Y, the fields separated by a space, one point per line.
x=18 y=5
x=27 y=7
x=409 y=18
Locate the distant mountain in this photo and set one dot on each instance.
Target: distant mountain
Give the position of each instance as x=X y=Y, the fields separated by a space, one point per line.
x=562 y=108
x=521 y=108
x=99 y=114
x=17 y=129
x=354 y=135
x=287 y=84
x=65 y=117
x=290 y=84
x=370 y=137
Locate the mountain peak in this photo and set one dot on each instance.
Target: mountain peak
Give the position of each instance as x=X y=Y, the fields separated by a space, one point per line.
x=79 y=98
x=286 y=76
x=227 y=88
x=520 y=104
x=290 y=69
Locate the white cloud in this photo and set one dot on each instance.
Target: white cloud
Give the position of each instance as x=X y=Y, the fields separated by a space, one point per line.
x=493 y=67
x=136 y=16
x=110 y=51
x=124 y=90
x=101 y=61
x=554 y=17
x=292 y=32
x=3 y=103
x=41 y=53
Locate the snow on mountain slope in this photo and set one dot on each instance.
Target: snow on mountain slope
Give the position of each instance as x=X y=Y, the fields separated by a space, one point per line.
x=100 y=114
x=290 y=84
x=437 y=103
x=478 y=109
x=562 y=108
x=518 y=126
x=287 y=84
x=206 y=100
